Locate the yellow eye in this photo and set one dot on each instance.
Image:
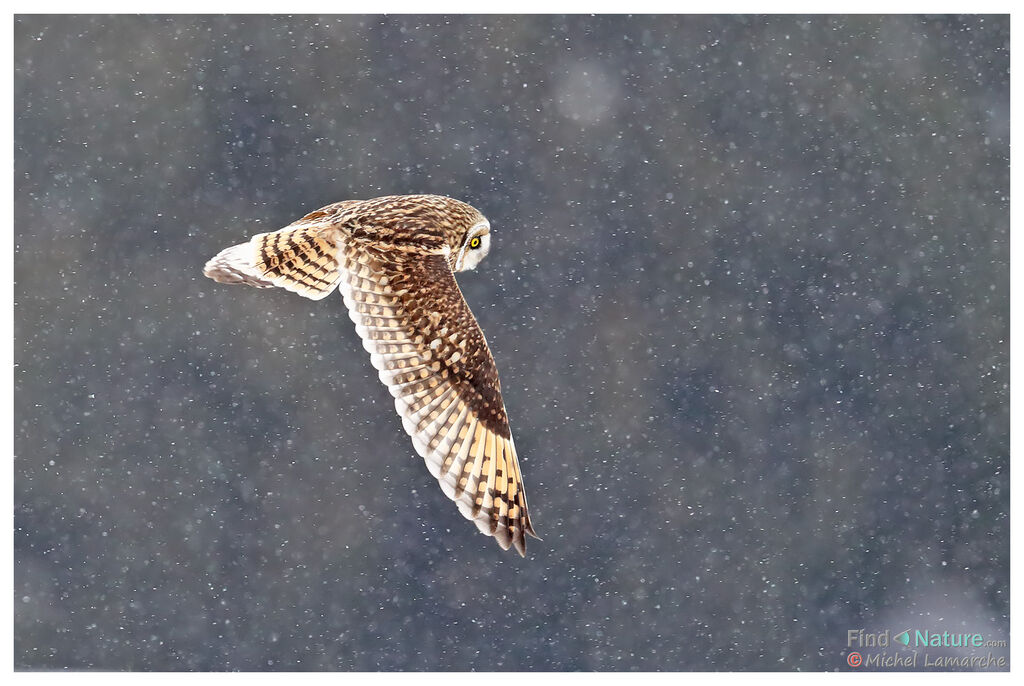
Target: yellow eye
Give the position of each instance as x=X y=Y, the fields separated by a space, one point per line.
x=475 y=243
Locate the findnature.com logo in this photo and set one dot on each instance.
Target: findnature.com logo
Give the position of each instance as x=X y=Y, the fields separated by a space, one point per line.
x=913 y=644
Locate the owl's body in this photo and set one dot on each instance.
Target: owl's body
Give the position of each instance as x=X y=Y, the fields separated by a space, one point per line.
x=393 y=259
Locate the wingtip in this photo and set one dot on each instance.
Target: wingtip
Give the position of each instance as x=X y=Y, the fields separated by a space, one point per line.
x=529 y=530
x=519 y=540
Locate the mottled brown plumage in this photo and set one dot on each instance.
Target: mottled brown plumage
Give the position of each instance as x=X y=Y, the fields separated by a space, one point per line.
x=394 y=259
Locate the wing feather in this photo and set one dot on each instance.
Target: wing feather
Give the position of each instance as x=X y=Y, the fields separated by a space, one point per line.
x=430 y=353
x=301 y=257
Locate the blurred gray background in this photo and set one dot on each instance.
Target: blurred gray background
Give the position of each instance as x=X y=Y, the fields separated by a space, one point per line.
x=749 y=297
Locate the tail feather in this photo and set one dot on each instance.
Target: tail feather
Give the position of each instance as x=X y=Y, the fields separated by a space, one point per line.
x=299 y=260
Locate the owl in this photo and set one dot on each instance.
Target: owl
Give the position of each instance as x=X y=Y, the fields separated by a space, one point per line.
x=394 y=260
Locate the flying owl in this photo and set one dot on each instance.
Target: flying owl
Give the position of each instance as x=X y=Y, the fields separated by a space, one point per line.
x=394 y=259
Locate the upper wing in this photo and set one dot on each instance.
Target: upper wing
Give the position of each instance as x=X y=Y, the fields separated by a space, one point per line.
x=431 y=354
x=301 y=257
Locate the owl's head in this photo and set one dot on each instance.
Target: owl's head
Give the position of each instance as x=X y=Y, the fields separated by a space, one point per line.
x=475 y=246
x=458 y=226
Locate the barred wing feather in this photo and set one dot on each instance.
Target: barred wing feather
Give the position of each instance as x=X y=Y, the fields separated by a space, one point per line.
x=432 y=355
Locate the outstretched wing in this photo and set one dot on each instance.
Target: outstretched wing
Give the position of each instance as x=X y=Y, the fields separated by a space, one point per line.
x=302 y=257
x=432 y=355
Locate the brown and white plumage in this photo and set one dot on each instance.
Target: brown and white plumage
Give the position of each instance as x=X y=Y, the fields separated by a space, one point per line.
x=393 y=259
